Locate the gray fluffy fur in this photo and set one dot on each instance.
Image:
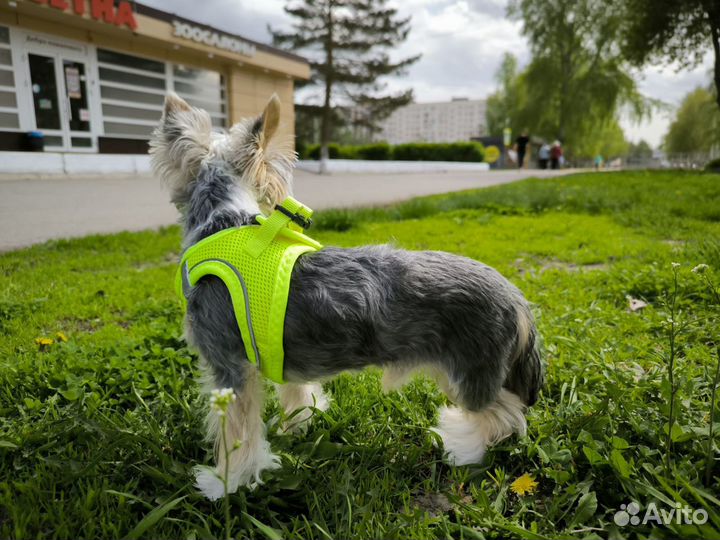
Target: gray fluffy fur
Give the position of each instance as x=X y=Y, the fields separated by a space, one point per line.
x=351 y=308
x=455 y=318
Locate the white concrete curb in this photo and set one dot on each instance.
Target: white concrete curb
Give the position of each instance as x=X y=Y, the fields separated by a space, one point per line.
x=56 y=163
x=367 y=166
x=66 y=163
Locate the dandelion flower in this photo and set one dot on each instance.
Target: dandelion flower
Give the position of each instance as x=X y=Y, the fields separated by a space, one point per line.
x=524 y=485
x=61 y=337
x=700 y=268
x=220 y=400
x=44 y=342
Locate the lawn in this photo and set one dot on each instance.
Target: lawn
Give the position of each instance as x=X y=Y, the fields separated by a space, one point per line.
x=101 y=421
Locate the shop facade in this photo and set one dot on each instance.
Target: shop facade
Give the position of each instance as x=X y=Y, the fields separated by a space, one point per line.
x=91 y=75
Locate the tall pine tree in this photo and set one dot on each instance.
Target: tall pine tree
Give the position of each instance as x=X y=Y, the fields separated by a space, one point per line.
x=348 y=44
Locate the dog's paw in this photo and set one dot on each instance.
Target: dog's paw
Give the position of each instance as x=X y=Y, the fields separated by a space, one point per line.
x=208 y=482
x=299 y=403
x=464 y=444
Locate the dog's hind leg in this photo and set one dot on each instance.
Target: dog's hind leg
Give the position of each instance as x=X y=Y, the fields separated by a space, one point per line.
x=243 y=437
x=300 y=397
x=466 y=434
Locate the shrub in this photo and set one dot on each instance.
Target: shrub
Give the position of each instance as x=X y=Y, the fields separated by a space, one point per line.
x=713 y=166
x=375 y=152
x=459 y=151
x=335 y=220
x=313 y=151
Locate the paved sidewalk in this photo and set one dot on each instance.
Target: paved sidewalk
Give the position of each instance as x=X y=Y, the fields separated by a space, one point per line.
x=33 y=210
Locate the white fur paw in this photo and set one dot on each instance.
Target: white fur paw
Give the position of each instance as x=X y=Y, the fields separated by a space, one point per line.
x=301 y=398
x=463 y=442
x=248 y=472
x=208 y=483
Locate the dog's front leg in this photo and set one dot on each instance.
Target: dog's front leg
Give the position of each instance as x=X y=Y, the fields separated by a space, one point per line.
x=244 y=438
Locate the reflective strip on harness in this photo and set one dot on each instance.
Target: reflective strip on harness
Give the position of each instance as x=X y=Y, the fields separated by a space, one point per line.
x=255 y=263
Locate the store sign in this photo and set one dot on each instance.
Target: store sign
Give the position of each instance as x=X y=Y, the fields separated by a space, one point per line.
x=100 y=10
x=213 y=39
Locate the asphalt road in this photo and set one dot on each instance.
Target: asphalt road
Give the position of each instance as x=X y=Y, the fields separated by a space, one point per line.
x=36 y=209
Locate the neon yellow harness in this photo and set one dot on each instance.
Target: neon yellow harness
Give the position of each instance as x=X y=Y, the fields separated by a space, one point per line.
x=255 y=262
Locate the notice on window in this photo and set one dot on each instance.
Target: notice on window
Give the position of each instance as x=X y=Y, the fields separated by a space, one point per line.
x=84 y=115
x=72 y=82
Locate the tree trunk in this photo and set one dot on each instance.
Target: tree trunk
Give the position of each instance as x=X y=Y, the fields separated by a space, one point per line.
x=715 y=27
x=326 y=127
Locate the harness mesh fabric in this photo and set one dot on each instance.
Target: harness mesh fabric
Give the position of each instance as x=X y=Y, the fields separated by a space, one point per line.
x=256 y=267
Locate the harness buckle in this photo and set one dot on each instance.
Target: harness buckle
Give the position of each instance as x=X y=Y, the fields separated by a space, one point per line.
x=295 y=217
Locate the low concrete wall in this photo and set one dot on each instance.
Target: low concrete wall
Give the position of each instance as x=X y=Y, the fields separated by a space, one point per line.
x=67 y=163
x=367 y=166
x=49 y=163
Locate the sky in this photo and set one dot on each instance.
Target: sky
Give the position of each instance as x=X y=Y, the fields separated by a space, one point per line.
x=461 y=42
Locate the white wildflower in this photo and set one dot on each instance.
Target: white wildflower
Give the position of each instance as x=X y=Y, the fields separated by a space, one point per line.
x=700 y=268
x=675 y=265
x=220 y=400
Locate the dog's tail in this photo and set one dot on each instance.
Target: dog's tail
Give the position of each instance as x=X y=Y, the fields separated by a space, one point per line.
x=527 y=370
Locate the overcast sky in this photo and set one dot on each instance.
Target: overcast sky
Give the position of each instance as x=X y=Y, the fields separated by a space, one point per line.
x=461 y=42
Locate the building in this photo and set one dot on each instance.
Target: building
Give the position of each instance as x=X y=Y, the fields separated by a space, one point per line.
x=91 y=75
x=448 y=121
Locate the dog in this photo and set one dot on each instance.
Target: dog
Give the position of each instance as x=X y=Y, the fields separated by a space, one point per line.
x=452 y=318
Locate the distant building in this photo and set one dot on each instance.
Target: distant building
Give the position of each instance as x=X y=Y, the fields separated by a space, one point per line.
x=448 y=121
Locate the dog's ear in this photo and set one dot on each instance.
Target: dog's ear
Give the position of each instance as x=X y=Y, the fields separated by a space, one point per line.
x=268 y=122
x=179 y=144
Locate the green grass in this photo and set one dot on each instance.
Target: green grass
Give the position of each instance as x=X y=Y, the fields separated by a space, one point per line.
x=98 y=434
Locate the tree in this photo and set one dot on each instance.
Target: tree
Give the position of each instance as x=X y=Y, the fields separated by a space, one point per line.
x=577 y=81
x=679 y=31
x=502 y=105
x=608 y=140
x=696 y=127
x=640 y=150
x=348 y=44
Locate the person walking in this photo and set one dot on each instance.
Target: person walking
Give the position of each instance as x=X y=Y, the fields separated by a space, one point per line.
x=544 y=155
x=521 y=146
x=556 y=154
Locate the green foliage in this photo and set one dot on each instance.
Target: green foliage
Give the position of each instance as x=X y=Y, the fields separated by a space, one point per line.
x=459 y=151
x=640 y=150
x=375 y=151
x=713 y=166
x=501 y=110
x=696 y=127
x=680 y=32
x=577 y=81
x=98 y=434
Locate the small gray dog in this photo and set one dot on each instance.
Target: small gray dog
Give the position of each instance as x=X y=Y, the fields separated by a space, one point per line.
x=452 y=318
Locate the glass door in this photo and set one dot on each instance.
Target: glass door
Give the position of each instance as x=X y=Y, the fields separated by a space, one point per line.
x=46 y=100
x=76 y=100
x=60 y=99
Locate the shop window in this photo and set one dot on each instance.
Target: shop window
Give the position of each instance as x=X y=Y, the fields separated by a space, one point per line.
x=128 y=130
x=132 y=91
x=204 y=89
x=6 y=77
x=134 y=62
x=9 y=118
x=132 y=96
